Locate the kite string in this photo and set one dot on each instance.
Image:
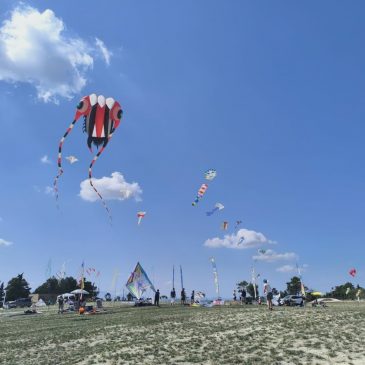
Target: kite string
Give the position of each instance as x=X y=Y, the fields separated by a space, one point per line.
x=90 y=176
x=59 y=159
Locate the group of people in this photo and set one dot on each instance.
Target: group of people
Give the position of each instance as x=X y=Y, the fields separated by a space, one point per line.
x=183 y=300
x=268 y=292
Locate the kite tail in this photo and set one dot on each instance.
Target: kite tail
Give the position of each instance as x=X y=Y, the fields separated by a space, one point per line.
x=59 y=159
x=90 y=176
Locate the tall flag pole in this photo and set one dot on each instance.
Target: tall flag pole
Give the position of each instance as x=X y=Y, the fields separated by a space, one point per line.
x=173 y=276
x=82 y=284
x=181 y=278
x=215 y=273
x=49 y=269
x=302 y=289
x=254 y=282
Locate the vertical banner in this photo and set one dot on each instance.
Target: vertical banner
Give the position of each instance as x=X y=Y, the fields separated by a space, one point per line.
x=215 y=273
x=181 y=278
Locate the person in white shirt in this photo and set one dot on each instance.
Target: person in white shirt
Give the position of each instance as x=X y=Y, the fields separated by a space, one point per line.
x=268 y=293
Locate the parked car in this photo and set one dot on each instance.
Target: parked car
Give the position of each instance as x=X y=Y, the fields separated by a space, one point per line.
x=23 y=302
x=11 y=304
x=293 y=300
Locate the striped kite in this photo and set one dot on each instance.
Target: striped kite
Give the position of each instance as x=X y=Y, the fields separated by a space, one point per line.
x=201 y=192
x=102 y=117
x=140 y=215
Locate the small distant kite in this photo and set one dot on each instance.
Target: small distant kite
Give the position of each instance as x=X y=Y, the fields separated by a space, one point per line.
x=241 y=240
x=210 y=174
x=140 y=215
x=225 y=225
x=352 y=272
x=71 y=159
x=218 y=206
x=237 y=224
x=261 y=251
x=201 y=192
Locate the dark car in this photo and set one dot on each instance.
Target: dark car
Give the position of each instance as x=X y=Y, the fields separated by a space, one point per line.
x=23 y=302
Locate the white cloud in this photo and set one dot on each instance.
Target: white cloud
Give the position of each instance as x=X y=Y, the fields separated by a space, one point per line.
x=4 y=242
x=104 y=51
x=111 y=188
x=48 y=190
x=46 y=160
x=272 y=256
x=250 y=239
x=291 y=268
x=35 y=49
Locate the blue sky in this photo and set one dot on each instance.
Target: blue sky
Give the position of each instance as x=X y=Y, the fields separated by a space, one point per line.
x=271 y=95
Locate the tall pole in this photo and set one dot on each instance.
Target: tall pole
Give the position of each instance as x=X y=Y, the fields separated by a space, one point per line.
x=173 y=276
x=254 y=282
x=181 y=278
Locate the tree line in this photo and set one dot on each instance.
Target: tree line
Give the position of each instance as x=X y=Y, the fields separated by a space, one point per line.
x=18 y=287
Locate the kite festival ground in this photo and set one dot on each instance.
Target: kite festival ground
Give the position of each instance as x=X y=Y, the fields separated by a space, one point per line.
x=231 y=334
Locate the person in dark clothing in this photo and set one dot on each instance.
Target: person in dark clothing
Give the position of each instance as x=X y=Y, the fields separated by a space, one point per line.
x=157 y=298
x=183 y=296
x=173 y=296
x=60 y=304
x=192 y=297
x=243 y=296
x=234 y=296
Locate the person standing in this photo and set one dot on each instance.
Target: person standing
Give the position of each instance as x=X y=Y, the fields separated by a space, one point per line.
x=268 y=293
x=234 y=296
x=173 y=296
x=157 y=298
x=60 y=301
x=183 y=296
x=243 y=296
x=192 y=298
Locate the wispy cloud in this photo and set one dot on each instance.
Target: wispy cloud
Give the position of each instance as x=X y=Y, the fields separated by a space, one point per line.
x=272 y=256
x=5 y=243
x=291 y=268
x=243 y=239
x=103 y=50
x=48 y=190
x=46 y=160
x=36 y=49
x=111 y=188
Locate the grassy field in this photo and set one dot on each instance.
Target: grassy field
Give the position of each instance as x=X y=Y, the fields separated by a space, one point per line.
x=184 y=335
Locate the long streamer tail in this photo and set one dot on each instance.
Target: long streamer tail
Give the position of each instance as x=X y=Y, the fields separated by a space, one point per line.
x=90 y=176
x=59 y=159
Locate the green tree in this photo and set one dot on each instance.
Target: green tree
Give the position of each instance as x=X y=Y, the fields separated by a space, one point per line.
x=293 y=287
x=339 y=292
x=91 y=288
x=51 y=286
x=1 y=294
x=241 y=285
x=251 y=291
x=68 y=284
x=17 y=287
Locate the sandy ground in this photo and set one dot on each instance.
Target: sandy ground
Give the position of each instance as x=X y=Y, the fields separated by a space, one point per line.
x=183 y=335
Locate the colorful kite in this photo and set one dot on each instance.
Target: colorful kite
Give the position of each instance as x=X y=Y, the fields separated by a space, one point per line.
x=225 y=225
x=201 y=192
x=139 y=282
x=210 y=174
x=140 y=215
x=102 y=117
x=218 y=206
x=352 y=272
